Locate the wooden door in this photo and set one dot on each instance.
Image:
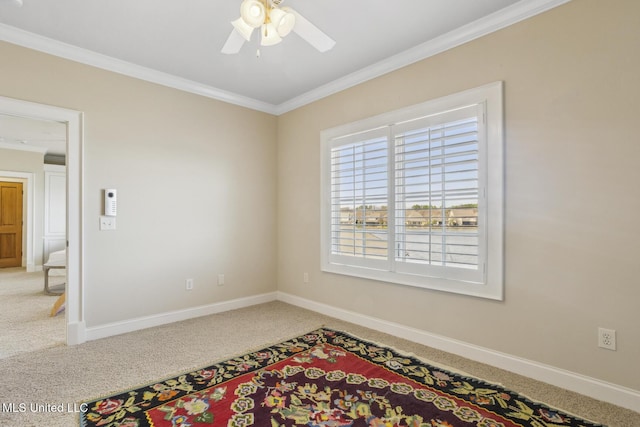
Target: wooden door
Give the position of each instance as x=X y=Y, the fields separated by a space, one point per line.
x=10 y=224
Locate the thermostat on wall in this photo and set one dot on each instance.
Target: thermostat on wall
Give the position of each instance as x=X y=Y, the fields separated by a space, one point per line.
x=110 y=199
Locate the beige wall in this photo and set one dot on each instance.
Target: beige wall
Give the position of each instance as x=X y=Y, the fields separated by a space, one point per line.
x=572 y=152
x=196 y=188
x=28 y=162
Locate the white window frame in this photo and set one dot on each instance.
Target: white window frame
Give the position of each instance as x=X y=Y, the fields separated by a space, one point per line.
x=490 y=283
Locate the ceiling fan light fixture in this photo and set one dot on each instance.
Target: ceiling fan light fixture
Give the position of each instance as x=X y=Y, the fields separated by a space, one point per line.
x=253 y=12
x=283 y=20
x=270 y=35
x=274 y=23
x=242 y=28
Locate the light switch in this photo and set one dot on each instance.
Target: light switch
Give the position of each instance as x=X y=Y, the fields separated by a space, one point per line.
x=107 y=222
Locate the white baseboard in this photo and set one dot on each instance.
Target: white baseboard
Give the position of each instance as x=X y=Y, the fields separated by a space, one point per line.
x=76 y=333
x=592 y=387
x=117 y=328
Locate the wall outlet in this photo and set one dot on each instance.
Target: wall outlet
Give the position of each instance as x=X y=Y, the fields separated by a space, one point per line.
x=305 y=277
x=220 y=279
x=607 y=338
x=189 y=284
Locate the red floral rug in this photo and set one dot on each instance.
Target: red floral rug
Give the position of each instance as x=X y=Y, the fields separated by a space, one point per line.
x=323 y=379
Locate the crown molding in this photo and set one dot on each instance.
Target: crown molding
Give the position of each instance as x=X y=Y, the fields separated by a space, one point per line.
x=63 y=50
x=503 y=18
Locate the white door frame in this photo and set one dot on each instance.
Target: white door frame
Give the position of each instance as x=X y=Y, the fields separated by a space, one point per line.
x=74 y=308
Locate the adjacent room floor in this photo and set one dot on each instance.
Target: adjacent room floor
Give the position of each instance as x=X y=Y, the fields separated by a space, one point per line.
x=25 y=312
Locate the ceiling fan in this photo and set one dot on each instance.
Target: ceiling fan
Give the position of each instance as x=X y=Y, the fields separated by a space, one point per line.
x=275 y=22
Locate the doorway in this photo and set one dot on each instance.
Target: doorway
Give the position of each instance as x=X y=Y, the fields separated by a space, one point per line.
x=74 y=310
x=34 y=151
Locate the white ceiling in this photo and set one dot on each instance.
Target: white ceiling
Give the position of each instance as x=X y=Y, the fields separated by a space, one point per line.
x=177 y=42
x=23 y=133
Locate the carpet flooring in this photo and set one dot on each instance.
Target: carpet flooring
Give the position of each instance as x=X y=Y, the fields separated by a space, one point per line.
x=24 y=312
x=64 y=375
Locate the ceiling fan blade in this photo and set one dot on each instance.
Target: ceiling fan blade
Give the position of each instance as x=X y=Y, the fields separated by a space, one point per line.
x=312 y=34
x=233 y=43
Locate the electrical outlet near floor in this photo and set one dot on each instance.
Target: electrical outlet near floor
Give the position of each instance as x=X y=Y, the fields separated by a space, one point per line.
x=189 y=284
x=607 y=338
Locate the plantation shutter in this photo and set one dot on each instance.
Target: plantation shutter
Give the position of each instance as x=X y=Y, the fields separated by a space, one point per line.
x=438 y=203
x=359 y=199
x=415 y=196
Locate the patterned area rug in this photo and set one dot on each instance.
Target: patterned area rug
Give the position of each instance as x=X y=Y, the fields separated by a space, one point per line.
x=323 y=379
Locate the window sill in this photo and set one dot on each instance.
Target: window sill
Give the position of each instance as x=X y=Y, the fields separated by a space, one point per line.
x=487 y=290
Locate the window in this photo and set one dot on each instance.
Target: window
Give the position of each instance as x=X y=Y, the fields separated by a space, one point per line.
x=415 y=196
